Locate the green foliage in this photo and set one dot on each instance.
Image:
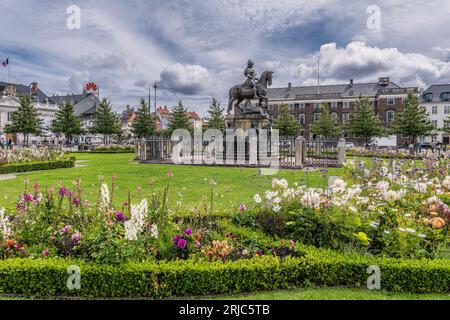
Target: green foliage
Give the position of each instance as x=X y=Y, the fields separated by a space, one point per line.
x=179 y=119
x=66 y=122
x=413 y=121
x=106 y=121
x=327 y=125
x=194 y=278
x=113 y=149
x=364 y=122
x=37 y=166
x=25 y=120
x=216 y=118
x=144 y=124
x=286 y=124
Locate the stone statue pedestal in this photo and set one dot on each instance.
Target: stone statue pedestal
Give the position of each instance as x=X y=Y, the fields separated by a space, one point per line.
x=247 y=121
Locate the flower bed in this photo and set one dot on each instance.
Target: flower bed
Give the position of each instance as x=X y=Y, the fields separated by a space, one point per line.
x=386 y=153
x=30 y=155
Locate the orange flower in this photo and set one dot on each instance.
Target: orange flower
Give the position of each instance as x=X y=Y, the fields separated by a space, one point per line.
x=11 y=243
x=438 y=223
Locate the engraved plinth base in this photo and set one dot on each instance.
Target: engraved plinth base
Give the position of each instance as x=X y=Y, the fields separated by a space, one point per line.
x=247 y=121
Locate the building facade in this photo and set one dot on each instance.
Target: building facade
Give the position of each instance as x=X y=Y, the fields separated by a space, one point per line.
x=304 y=103
x=436 y=100
x=9 y=103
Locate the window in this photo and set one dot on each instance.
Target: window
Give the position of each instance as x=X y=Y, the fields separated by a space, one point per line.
x=271 y=107
x=296 y=106
x=447 y=109
x=434 y=110
x=334 y=105
x=9 y=116
x=316 y=106
x=302 y=106
x=390 y=101
x=291 y=106
x=428 y=97
x=316 y=116
x=435 y=123
x=390 y=116
x=446 y=96
x=346 y=105
x=447 y=125
x=345 y=118
x=301 y=119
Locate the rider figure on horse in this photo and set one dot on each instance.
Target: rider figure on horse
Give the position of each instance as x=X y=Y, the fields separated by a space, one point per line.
x=250 y=74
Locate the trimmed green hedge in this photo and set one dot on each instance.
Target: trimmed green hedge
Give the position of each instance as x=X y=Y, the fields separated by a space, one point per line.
x=187 y=278
x=37 y=166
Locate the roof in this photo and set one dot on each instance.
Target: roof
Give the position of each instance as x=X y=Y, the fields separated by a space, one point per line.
x=193 y=115
x=21 y=89
x=84 y=104
x=437 y=90
x=329 y=91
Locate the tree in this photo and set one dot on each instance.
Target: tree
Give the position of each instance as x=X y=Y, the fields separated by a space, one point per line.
x=447 y=125
x=286 y=124
x=326 y=125
x=66 y=122
x=25 y=120
x=413 y=121
x=364 y=122
x=216 y=118
x=106 y=121
x=179 y=119
x=144 y=124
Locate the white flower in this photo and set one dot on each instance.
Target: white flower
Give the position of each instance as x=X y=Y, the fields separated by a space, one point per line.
x=446 y=182
x=421 y=235
x=130 y=231
x=276 y=209
x=105 y=198
x=390 y=196
x=270 y=195
x=410 y=230
x=4 y=224
x=387 y=232
x=154 y=231
x=374 y=224
x=311 y=199
x=338 y=186
x=382 y=187
x=283 y=184
x=420 y=187
x=277 y=200
x=257 y=198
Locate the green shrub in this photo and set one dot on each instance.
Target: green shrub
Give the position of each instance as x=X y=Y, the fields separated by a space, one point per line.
x=187 y=278
x=37 y=166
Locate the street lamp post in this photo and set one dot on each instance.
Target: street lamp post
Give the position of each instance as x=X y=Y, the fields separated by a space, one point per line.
x=156 y=111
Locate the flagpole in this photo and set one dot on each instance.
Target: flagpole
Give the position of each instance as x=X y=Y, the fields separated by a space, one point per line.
x=9 y=72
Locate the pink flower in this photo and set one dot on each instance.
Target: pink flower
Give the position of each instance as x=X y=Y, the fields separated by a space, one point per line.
x=36 y=187
x=242 y=208
x=120 y=216
x=114 y=177
x=51 y=190
x=182 y=244
x=188 y=232
x=170 y=174
x=76 y=237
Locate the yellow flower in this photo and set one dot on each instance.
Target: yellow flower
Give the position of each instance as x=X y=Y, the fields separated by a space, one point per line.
x=438 y=223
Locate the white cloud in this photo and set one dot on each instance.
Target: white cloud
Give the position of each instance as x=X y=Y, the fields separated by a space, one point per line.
x=185 y=79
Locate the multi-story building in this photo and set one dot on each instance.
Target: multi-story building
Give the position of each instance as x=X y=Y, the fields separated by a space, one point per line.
x=164 y=114
x=127 y=118
x=9 y=103
x=436 y=100
x=85 y=105
x=304 y=103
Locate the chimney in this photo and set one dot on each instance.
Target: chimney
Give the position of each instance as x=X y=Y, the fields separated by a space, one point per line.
x=351 y=82
x=289 y=86
x=34 y=86
x=384 y=81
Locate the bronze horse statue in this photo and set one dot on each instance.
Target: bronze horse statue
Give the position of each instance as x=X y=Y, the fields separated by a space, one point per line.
x=240 y=93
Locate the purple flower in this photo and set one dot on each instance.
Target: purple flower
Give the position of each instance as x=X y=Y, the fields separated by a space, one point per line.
x=65 y=230
x=76 y=237
x=45 y=253
x=125 y=204
x=176 y=239
x=76 y=202
x=21 y=206
x=292 y=244
x=27 y=197
x=120 y=216
x=188 y=232
x=182 y=243
x=63 y=191
x=259 y=253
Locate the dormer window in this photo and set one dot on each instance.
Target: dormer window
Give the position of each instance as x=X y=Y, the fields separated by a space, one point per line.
x=445 y=96
x=428 y=97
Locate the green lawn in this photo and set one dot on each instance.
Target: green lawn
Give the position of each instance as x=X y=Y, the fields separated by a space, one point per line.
x=335 y=294
x=234 y=185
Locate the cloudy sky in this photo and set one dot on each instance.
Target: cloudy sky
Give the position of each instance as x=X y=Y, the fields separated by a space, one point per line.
x=199 y=49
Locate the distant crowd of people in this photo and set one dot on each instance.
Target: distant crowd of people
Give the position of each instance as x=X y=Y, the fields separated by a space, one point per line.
x=6 y=144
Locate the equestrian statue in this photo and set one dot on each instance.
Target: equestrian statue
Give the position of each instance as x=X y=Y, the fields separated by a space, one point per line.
x=253 y=88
